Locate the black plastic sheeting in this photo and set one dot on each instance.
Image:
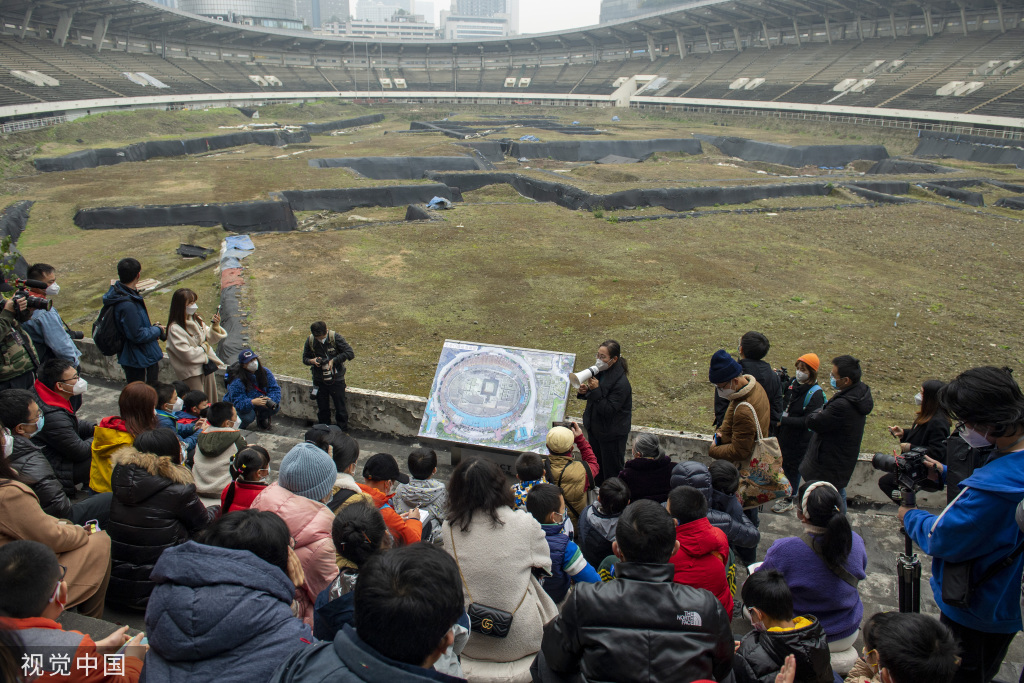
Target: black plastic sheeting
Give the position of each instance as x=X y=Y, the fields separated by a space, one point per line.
x=1016 y=203
x=346 y=199
x=615 y=159
x=394 y=168
x=141 y=151
x=12 y=223
x=877 y=196
x=317 y=128
x=969 y=198
x=415 y=212
x=1007 y=186
x=592 y=150
x=192 y=251
x=255 y=216
x=884 y=186
x=715 y=212
x=894 y=166
x=822 y=156
x=970 y=148
x=492 y=150
x=463 y=130
x=960 y=183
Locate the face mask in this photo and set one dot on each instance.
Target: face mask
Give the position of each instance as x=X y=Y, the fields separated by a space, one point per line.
x=53 y=290
x=40 y=422
x=252 y=366
x=8 y=444
x=974 y=439
x=918 y=399
x=600 y=365
x=832 y=382
x=191 y=309
x=81 y=386
x=177 y=405
x=802 y=376
x=203 y=411
x=726 y=393
x=237 y=423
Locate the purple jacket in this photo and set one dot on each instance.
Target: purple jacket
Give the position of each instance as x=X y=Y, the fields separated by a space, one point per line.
x=816 y=590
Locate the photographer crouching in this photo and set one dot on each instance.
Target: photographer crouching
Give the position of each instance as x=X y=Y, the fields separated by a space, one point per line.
x=975 y=544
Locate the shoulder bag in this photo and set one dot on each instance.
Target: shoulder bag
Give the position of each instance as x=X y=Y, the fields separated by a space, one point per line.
x=761 y=477
x=842 y=572
x=489 y=621
x=957 y=588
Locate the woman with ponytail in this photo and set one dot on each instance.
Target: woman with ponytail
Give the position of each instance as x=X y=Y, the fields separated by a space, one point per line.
x=823 y=565
x=609 y=412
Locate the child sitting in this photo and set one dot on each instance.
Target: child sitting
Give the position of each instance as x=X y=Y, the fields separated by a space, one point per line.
x=599 y=520
x=547 y=505
x=703 y=550
x=743 y=535
x=168 y=403
x=345 y=454
x=423 y=492
x=249 y=470
x=906 y=648
x=215 y=446
x=777 y=634
x=194 y=406
x=529 y=472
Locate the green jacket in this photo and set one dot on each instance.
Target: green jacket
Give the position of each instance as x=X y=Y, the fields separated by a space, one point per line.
x=17 y=355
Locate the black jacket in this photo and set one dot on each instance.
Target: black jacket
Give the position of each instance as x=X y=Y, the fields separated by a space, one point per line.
x=724 y=510
x=640 y=627
x=65 y=441
x=609 y=410
x=35 y=471
x=793 y=433
x=769 y=381
x=339 y=351
x=648 y=478
x=155 y=507
x=931 y=435
x=762 y=654
x=838 y=430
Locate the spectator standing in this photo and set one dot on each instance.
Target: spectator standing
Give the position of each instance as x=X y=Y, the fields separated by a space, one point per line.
x=735 y=439
x=51 y=337
x=703 y=554
x=609 y=412
x=752 y=349
x=18 y=358
x=190 y=344
x=596 y=532
x=803 y=397
x=137 y=405
x=141 y=355
x=648 y=473
x=65 y=440
x=575 y=478
x=325 y=352
x=838 y=428
x=253 y=390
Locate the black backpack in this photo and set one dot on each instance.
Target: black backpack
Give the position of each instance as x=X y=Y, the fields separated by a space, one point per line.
x=106 y=333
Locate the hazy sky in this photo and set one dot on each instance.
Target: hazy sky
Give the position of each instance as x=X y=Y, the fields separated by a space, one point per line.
x=541 y=16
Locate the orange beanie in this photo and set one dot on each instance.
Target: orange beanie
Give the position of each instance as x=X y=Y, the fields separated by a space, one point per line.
x=810 y=360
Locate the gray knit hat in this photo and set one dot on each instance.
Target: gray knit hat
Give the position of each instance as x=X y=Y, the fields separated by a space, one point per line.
x=307 y=471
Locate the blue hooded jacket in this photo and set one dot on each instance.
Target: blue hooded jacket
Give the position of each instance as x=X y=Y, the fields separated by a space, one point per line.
x=218 y=614
x=141 y=345
x=979 y=525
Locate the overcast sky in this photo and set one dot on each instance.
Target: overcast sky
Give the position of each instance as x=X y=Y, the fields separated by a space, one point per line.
x=541 y=16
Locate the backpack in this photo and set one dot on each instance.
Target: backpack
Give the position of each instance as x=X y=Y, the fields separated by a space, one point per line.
x=106 y=333
x=810 y=392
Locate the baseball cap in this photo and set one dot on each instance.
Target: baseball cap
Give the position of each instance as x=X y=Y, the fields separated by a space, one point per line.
x=383 y=467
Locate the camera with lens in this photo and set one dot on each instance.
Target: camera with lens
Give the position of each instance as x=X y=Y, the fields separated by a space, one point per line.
x=910 y=470
x=270 y=404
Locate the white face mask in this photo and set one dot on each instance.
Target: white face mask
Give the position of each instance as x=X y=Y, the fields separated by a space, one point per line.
x=252 y=366
x=237 y=423
x=8 y=444
x=726 y=393
x=191 y=309
x=802 y=376
x=53 y=290
x=79 y=387
x=974 y=439
x=178 y=405
x=600 y=365
x=918 y=399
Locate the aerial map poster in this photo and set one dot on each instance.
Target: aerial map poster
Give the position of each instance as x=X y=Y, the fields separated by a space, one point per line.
x=497 y=396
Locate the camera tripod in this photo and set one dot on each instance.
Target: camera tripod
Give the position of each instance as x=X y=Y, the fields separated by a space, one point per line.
x=908 y=566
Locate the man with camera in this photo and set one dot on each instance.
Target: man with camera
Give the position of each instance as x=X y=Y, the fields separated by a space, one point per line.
x=976 y=546
x=326 y=352
x=51 y=337
x=18 y=358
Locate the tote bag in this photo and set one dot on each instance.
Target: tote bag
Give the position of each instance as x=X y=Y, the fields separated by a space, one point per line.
x=761 y=477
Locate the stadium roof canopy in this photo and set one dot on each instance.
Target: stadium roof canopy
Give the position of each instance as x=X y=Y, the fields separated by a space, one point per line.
x=147 y=20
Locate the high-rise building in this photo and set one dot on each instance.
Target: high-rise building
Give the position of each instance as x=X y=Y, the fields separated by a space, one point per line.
x=403 y=27
x=612 y=10
x=333 y=11
x=496 y=17
x=289 y=14
x=382 y=10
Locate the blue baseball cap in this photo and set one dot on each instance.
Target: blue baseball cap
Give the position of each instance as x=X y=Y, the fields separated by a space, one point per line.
x=246 y=355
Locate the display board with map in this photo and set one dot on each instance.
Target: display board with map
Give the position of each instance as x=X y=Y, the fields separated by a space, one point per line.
x=497 y=396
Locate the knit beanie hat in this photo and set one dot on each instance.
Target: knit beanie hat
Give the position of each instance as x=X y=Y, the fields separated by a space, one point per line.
x=307 y=471
x=723 y=367
x=810 y=360
x=560 y=440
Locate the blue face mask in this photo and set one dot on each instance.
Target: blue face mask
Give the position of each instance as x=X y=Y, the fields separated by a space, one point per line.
x=39 y=424
x=832 y=381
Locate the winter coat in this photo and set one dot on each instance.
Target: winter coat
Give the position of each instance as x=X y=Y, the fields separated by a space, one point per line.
x=838 y=430
x=34 y=469
x=17 y=354
x=609 y=410
x=960 y=460
x=724 y=511
x=595 y=533
x=339 y=351
x=190 y=346
x=429 y=495
x=219 y=614
x=64 y=439
x=404 y=531
x=648 y=478
x=863 y=673
x=309 y=523
x=769 y=380
x=701 y=560
x=141 y=337
x=793 y=433
x=47 y=638
x=497 y=563
x=155 y=507
x=245 y=494
x=816 y=589
x=242 y=398
x=762 y=653
x=931 y=435
x=214 y=449
x=640 y=627
x=571 y=476
x=739 y=429
x=979 y=525
x=108 y=436
x=87 y=556
x=335 y=605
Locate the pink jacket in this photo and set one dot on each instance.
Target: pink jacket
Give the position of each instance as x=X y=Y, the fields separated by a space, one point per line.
x=309 y=522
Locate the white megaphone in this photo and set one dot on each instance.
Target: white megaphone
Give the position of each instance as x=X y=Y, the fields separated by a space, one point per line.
x=583 y=376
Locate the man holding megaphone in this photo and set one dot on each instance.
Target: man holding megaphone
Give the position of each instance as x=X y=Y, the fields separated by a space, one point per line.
x=609 y=412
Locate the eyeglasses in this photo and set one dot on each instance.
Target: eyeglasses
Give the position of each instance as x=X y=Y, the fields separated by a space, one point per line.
x=71 y=380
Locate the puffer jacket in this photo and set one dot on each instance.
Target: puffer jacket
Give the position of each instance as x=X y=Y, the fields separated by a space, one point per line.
x=838 y=430
x=762 y=653
x=648 y=478
x=640 y=627
x=762 y=371
x=596 y=533
x=110 y=435
x=219 y=614
x=739 y=428
x=65 y=440
x=35 y=470
x=309 y=523
x=141 y=337
x=155 y=507
x=724 y=511
x=702 y=559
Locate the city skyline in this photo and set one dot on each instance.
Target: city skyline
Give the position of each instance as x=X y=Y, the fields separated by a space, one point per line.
x=542 y=16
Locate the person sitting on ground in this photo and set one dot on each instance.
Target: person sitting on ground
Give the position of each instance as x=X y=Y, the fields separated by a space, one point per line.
x=642 y=626
x=648 y=473
x=155 y=507
x=703 y=550
x=65 y=440
x=748 y=414
x=84 y=551
x=400 y=634
x=824 y=565
x=345 y=454
x=596 y=532
x=180 y=387
x=929 y=431
x=574 y=477
x=299 y=497
x=529 y=472
x=221 y=609
x=137 y=408
x=719 y=482
x=253 y=390
x=215 y=447
x=380 y=474
x=423 y=492
x=169 y=403
x=33 y=599
x=358 y=532
x=778 y=634
x=568 y=566
x=906 y=648
x=249 y=471
x=18 y=407
x=195 y=406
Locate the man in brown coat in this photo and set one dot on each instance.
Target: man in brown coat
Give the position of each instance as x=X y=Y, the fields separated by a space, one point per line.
x=735 y=440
